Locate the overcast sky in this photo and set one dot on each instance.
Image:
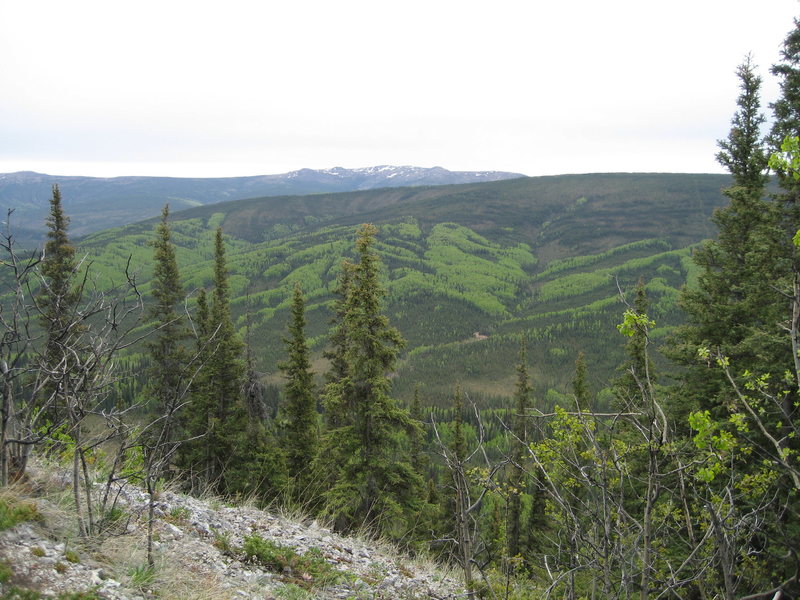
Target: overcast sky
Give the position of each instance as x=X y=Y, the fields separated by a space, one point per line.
x=196 y=88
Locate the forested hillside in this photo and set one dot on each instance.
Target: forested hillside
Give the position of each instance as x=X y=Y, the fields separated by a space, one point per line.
x=553 y=383
x=543 y=258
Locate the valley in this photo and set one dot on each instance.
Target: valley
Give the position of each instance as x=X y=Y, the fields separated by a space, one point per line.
x=540 y=258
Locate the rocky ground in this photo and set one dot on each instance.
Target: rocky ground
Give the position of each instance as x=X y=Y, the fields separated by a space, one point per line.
x=199 y=555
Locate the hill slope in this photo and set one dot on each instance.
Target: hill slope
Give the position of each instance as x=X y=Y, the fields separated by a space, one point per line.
x=99 y=203
x=198 y=554
x=470 y=269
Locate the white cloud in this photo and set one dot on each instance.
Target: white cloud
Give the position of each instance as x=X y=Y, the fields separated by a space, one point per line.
x=519 y=85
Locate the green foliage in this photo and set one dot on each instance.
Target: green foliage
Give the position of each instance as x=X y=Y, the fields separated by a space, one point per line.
x=580 y=387
x=15 y=593
x=517 y=476
x=58 y=298
x=457 y=261
x=582 y=283
x=788 y=159
x=575 y=262
x=309 y=570
x=290 y=591
x=59 y=295
x=230 y=448
x=222 y=542
x=374 y=483
x=299 y=410
x=634 y=322
x=178 y=515
x=169 y=368
x=714 y=441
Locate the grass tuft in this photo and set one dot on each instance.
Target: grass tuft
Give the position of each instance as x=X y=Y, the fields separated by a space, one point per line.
x=13 y=512
x=308 y=570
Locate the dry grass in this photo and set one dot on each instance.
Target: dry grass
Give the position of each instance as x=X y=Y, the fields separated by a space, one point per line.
x=173 y=583
x=185 y=567
x=175 y=577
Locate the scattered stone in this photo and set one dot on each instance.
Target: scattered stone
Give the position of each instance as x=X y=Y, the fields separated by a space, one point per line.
x=188 y=546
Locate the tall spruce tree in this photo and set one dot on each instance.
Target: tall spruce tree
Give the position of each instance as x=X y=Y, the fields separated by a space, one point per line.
x=300 y=435
x=168 y=354
x=734 y=308
x=785 y=412
x=58 y=303
x=739 y=308
x=787 y=124
x=375 y=483
x=519 y=449
x=218 y=416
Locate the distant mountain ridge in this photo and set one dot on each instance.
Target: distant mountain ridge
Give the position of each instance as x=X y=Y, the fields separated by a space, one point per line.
x=370 y=178
x=96 y=203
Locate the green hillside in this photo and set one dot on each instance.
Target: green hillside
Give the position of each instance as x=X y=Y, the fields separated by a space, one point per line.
x=469 y=268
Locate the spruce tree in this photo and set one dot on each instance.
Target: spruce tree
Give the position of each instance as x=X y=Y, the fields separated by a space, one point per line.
x=338 y=337
x=519 y=449
x=168 y=355
x=254 y=395
x=218 y=417
x=458 y=443
x=419 y=460
x=58 y=301
x=338 y=413
x=787 y=124
x=375 y=484
x=734 y=309
x=787 y=107
x=300 y=407
x=580 y=388
x=58 y=297
x=225 y=376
